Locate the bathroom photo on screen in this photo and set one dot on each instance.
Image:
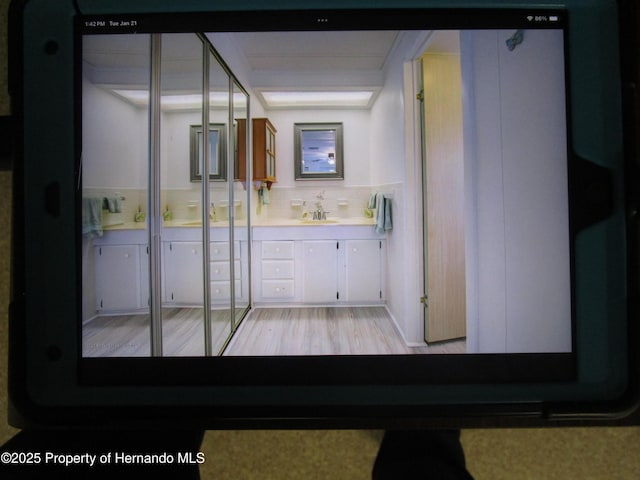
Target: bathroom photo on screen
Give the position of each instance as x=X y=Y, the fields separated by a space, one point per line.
x=325 y=193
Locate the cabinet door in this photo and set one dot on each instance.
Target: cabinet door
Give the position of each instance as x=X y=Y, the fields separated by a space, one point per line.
x=363 y=270
x=144 y=275
x=183 y=273
x=117 y=277
x=271 y=154
x=320 y=271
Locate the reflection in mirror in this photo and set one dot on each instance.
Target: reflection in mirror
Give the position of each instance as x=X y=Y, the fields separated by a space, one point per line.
x=114 y=161
x=241 y=196
x=318 y=151
x=240 y=134
x=179 y=290
x=220 y=259
x=217 y=152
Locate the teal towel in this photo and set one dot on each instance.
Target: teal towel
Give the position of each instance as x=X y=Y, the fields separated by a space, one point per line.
x=388 y=222
x=113 y=204
x=384 y=220
x=263 y=193
x=372 y=201
x=92 y=217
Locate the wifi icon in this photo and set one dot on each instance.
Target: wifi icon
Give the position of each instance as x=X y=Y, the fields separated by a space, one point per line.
x=530 y=17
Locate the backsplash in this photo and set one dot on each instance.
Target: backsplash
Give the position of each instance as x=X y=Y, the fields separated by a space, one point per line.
x=129 y=200
x=183 y=204
x=338 y=202
x=283 y=202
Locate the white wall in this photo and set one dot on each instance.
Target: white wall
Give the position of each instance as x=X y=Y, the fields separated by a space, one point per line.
x=356 y=134
x=115 y=140
x=175 y=158
x=394 y=169
x=515 y=144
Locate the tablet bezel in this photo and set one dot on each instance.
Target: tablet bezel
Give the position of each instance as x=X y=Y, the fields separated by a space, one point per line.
x=46 y=374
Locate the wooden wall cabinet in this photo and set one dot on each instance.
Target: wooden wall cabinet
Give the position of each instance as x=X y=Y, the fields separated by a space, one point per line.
x=264 y=151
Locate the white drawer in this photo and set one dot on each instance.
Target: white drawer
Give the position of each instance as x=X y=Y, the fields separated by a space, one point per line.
x=272 y=269
x=277 y=289
x=220 y=251
x=277 y=250
x=222 y=291
x=220 y=271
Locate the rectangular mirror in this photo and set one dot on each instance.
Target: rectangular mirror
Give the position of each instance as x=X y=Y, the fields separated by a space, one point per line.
x=318 y=151
x=217 y=152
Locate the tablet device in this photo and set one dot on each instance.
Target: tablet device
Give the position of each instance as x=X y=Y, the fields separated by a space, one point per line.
x=411 y=210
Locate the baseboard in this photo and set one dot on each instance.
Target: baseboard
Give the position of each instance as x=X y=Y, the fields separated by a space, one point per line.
x=400 y=332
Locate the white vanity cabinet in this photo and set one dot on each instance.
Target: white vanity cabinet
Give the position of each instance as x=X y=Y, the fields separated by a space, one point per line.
x=118 y=275
x=342 y=271
x=320 y=271
x=121 y=270
x=183 y=272
x=220 y=272
x=319 y=265
x=364 y=271
x=277 y=267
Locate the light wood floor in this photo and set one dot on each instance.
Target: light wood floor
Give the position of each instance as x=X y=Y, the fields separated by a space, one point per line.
x=129 y=335
x=325 y=331
x=265 y=331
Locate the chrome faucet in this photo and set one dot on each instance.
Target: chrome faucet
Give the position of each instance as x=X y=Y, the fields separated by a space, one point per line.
x=319 y=213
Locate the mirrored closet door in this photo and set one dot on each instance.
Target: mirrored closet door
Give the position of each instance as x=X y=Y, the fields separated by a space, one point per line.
x=166 y=273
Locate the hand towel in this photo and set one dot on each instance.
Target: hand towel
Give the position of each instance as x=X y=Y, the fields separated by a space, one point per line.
x=384 y=222
x=92 y=217
x=113 y=204
x=372 y=201
x=388 y=222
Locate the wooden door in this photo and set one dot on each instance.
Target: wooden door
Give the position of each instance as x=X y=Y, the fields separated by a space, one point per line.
x=443 y=163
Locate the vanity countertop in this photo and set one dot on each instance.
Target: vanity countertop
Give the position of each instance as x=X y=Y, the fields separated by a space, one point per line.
x=332 y=221
x=259 y=223
x=340 y=229
x=166 y=224
x=278 y=229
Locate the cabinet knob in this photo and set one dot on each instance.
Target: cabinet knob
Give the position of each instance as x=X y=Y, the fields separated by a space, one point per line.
x=193 y=251
x=355 y=249
x=217 y=270
x=216 y=251
x=277 y=270
x=126 y=255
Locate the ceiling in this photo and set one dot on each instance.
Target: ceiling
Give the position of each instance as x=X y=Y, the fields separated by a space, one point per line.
x=316 y=61
x=316 y=51
x=276 y=61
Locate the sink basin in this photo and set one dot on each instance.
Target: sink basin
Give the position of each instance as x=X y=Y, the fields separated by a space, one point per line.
x=198 y=223
x=318 y=222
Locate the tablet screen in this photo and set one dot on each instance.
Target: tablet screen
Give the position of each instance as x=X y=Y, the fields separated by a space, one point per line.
x=382 y=184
